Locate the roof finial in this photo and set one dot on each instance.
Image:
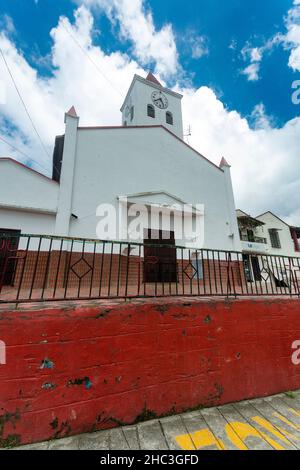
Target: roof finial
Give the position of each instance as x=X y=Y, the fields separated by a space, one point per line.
x=72 y=112
x=151 y=78
x=223 y=163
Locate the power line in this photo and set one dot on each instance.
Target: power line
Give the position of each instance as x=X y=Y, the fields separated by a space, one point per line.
x=28 y=114
x=22 y=153
x=23 y=103
x=90 y=59
x=25 y=107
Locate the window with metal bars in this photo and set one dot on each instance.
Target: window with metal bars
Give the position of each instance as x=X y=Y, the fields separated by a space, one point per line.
x=274 y=237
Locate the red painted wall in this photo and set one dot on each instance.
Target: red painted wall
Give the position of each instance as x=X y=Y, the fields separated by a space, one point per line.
x=73 y=370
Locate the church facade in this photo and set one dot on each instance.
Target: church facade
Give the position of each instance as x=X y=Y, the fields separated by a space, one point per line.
x=142 y=168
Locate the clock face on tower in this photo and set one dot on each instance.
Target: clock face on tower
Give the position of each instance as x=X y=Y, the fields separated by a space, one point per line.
x=160 y=100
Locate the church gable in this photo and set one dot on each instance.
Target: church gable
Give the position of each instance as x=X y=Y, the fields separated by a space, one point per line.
x=162 y=198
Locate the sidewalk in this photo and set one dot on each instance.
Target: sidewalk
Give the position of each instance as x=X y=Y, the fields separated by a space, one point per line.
x=271 y=423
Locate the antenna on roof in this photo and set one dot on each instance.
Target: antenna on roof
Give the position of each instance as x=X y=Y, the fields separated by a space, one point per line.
x=188 y=134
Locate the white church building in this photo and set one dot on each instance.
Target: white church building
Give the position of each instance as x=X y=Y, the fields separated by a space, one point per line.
x=144 y=161
x=142 y=174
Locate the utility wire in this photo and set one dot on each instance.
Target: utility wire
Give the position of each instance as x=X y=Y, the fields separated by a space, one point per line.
x=90 y=59
x=28 y=114
x=23 y=103
x=25 y=107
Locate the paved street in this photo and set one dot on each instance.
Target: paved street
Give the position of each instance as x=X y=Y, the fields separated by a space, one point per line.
x=271 y=423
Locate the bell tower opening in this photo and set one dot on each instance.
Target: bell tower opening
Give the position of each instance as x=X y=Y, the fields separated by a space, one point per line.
x=148 y=103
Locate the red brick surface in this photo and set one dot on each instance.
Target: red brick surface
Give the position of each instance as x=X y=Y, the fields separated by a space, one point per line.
x=76 y=369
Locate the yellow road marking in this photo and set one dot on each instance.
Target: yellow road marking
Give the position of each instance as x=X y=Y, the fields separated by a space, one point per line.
x=185 y=442
x=238 y=432
x=287 y=421
x=269 y=427
x=201 y=439
x=294 y=411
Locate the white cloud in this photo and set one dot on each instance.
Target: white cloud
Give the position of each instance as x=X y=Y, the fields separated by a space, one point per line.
x=198 y=46
x=293 y=218
x=255 y=56
x=264 y=160
x=7 y=24
x=252 y=72
x=136 y=24
x=75 y=80
x=259 y=117
x=290 y=40
x=292 y=37
x=233 y=44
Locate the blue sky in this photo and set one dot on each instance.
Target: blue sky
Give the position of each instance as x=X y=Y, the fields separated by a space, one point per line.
x=234 y=61
x=233 y=22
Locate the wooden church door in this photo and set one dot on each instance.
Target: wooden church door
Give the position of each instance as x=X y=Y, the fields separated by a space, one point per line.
x=160 y=263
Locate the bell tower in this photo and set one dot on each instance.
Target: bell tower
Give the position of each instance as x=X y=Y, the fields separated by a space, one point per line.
x=149 y=103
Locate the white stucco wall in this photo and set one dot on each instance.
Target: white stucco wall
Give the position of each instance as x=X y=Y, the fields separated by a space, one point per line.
x=28 y=201
x=162 y=212
x=109 y=163
x=21 y=187
x=27 y=222
x=114 y=162
x=287 y=244
x=65 y=194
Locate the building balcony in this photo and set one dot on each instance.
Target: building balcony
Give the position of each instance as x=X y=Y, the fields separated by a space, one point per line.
x=254 y=244
x=245 y=238
x=254 y=247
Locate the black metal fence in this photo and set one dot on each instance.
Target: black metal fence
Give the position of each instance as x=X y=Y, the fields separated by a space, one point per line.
x=43 y=268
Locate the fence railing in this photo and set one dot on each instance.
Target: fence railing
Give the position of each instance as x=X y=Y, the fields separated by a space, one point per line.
x=44 y=268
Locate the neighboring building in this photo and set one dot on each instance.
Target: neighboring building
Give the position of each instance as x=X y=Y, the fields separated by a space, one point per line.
x=267 y=234
x=282 y=239
x=251 y=235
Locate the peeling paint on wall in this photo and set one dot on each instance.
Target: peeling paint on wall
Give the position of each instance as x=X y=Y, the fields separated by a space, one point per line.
x=139 y=362
x=47 y=364
x=85 y=381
